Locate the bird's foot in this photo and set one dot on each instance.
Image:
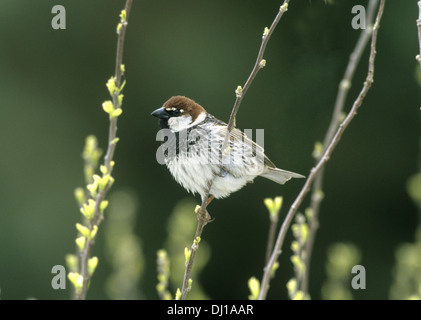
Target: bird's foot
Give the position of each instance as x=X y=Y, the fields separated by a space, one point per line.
x=203 y=216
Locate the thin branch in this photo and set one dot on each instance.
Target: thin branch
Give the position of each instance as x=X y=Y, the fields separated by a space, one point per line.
x=344 y=86
x=260 y=63
x=418 y=57
x=202 y=214
x=202 y=220
x=327 y=154
x=271 y=237
x=112 y=135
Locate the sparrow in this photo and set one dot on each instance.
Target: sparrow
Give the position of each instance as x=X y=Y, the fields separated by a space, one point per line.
x=192 y=151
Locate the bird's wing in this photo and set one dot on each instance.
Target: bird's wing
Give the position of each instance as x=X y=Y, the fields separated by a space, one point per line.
x=243 y=157
x=256 y=149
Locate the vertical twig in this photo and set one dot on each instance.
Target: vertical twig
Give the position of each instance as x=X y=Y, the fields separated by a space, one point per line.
x=85 y=254
x=260 y=63
x=202 y=215
x=327 y=153
x=418 y=57
x=202 y=220
x=271 y=237
x=344 y=86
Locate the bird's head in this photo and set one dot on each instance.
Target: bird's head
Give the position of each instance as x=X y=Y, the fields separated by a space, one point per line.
x=179 y=113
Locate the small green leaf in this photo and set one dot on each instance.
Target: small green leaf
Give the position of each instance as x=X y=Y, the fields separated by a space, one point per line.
x=108 y=106
x=292 y=286
x=239 y=92
x=103 y=206
x=123 y=15
x=111 y=86
x=71 y=262
x=273 y=206
x=284 y=7
x=298 y=264
x=103 y=182
x=189 y=284
x=76 y=279
x=277 y=203
x=254 y=287
x=318 y=150
x=83 y=230
x=88 y=209
x=116 y=113
x=92 y=188
x=110 y=183
x=122 y=86
x=187 y=253
x=295 y=246
x=309 y=213
x=413 y=188
x=265 y=32
x=92 y=264
x=81 y=242
x=269 y=204
x=80 y=196
x=178 y=294
x=274 y=268
x=93 y=232
x=299 y=295
x=120 y=99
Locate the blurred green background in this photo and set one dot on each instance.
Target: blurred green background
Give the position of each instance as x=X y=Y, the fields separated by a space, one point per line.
x=52 y=85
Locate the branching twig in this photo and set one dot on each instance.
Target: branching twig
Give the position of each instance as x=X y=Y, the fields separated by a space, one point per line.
x=326 y=155
x=344 y=86
x=202 y=215
x=418 y=57
x=260 y=63
x=94 y=222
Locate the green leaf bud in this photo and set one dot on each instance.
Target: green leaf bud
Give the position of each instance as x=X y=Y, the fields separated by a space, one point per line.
x=187 y=253
x=265 y=32
x=103 y=205
x=76 y=279
x=79 y=196
x=92 y=264
x=71 y=262
x=111 y=86
x=116 y=113
x=108 y=106
x=83 y=230
x=81 y=242
x=254 y=287
x=178 y=294
x=239 y=92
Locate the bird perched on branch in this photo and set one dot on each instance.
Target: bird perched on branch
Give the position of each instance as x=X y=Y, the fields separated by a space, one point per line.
x=192 y=142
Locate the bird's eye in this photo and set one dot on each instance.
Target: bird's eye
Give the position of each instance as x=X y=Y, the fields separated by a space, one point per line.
x=173 y=112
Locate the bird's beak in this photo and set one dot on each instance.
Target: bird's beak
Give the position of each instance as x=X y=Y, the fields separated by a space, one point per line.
x=161 y=113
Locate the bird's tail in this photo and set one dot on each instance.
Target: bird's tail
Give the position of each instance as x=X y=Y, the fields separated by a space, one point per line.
x=279 y=176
